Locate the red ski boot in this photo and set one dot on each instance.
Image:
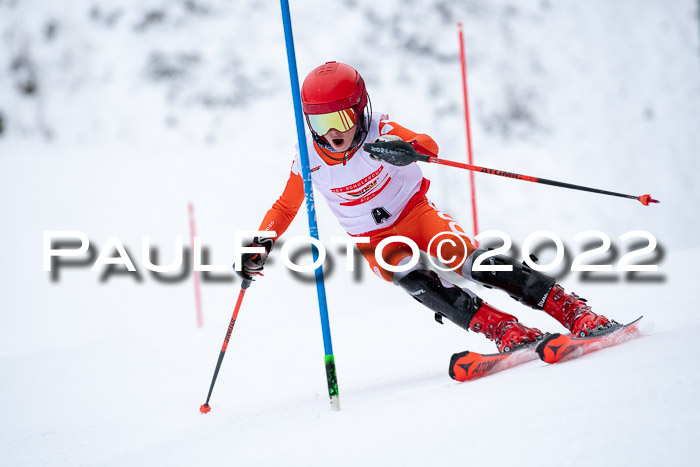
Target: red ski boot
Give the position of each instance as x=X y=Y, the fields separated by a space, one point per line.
x=502 y=328
x=573 y=313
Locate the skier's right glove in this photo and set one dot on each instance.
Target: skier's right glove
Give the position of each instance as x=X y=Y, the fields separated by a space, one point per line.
x=394 y=152
x=252 y=263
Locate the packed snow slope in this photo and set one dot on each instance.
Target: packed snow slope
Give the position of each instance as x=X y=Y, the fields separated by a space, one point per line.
x=114 y=116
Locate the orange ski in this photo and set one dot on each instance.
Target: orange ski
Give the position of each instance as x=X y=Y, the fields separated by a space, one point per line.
x=467 y=365
x=557 y=347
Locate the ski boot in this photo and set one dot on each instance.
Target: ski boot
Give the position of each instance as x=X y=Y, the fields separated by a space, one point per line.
x=541 y=292
x=503 y=328
x=573 y=313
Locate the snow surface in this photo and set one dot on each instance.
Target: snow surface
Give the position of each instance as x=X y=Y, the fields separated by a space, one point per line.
x=140 y=107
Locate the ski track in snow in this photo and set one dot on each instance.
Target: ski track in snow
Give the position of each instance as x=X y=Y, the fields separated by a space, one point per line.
x=112 y=373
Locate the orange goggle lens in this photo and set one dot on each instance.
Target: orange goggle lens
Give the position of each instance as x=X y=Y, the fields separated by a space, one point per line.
x=342 y=121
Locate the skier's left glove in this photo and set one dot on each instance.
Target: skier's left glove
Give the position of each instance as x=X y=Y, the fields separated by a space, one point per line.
x=392 y=150
x=252 y=263
x=382 y=139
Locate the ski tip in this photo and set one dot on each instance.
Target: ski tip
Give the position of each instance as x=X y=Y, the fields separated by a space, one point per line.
x=204 y=408
x=543 y=344
x=453 y=362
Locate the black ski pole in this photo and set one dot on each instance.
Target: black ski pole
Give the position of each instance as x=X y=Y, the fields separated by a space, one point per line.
x=403 y=153
x=205 y=408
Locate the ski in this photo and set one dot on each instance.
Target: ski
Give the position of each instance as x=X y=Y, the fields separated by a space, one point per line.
x=557 y=347
x=465 y=366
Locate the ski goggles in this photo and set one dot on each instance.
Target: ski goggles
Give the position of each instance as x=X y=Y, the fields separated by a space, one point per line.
x=341 y=120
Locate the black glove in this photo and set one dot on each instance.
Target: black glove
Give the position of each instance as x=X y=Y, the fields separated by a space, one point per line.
x=252 y=263
x=394 y=152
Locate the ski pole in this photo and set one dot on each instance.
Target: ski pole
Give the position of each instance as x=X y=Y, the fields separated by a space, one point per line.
x=404 y=153
x=205 y=408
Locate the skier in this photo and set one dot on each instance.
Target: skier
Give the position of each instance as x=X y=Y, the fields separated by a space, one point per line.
x=374 y=198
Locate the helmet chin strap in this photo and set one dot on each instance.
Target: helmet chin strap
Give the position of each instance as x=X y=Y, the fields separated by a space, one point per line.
x=327 y=149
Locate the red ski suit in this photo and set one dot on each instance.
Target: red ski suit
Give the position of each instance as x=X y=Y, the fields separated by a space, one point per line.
x=416 y=218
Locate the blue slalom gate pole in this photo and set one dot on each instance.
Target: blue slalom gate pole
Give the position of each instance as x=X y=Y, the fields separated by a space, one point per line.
x=310 y=208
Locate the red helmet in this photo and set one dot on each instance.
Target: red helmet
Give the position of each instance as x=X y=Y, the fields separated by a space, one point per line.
x=332 y=87
x=334 y=96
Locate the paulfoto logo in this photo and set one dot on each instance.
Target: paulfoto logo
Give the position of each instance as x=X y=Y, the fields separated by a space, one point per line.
x=60 y=244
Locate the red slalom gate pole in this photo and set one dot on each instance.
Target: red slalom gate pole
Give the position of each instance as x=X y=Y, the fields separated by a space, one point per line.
x=463 y=61
x=197 y=293
x=205 y=408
